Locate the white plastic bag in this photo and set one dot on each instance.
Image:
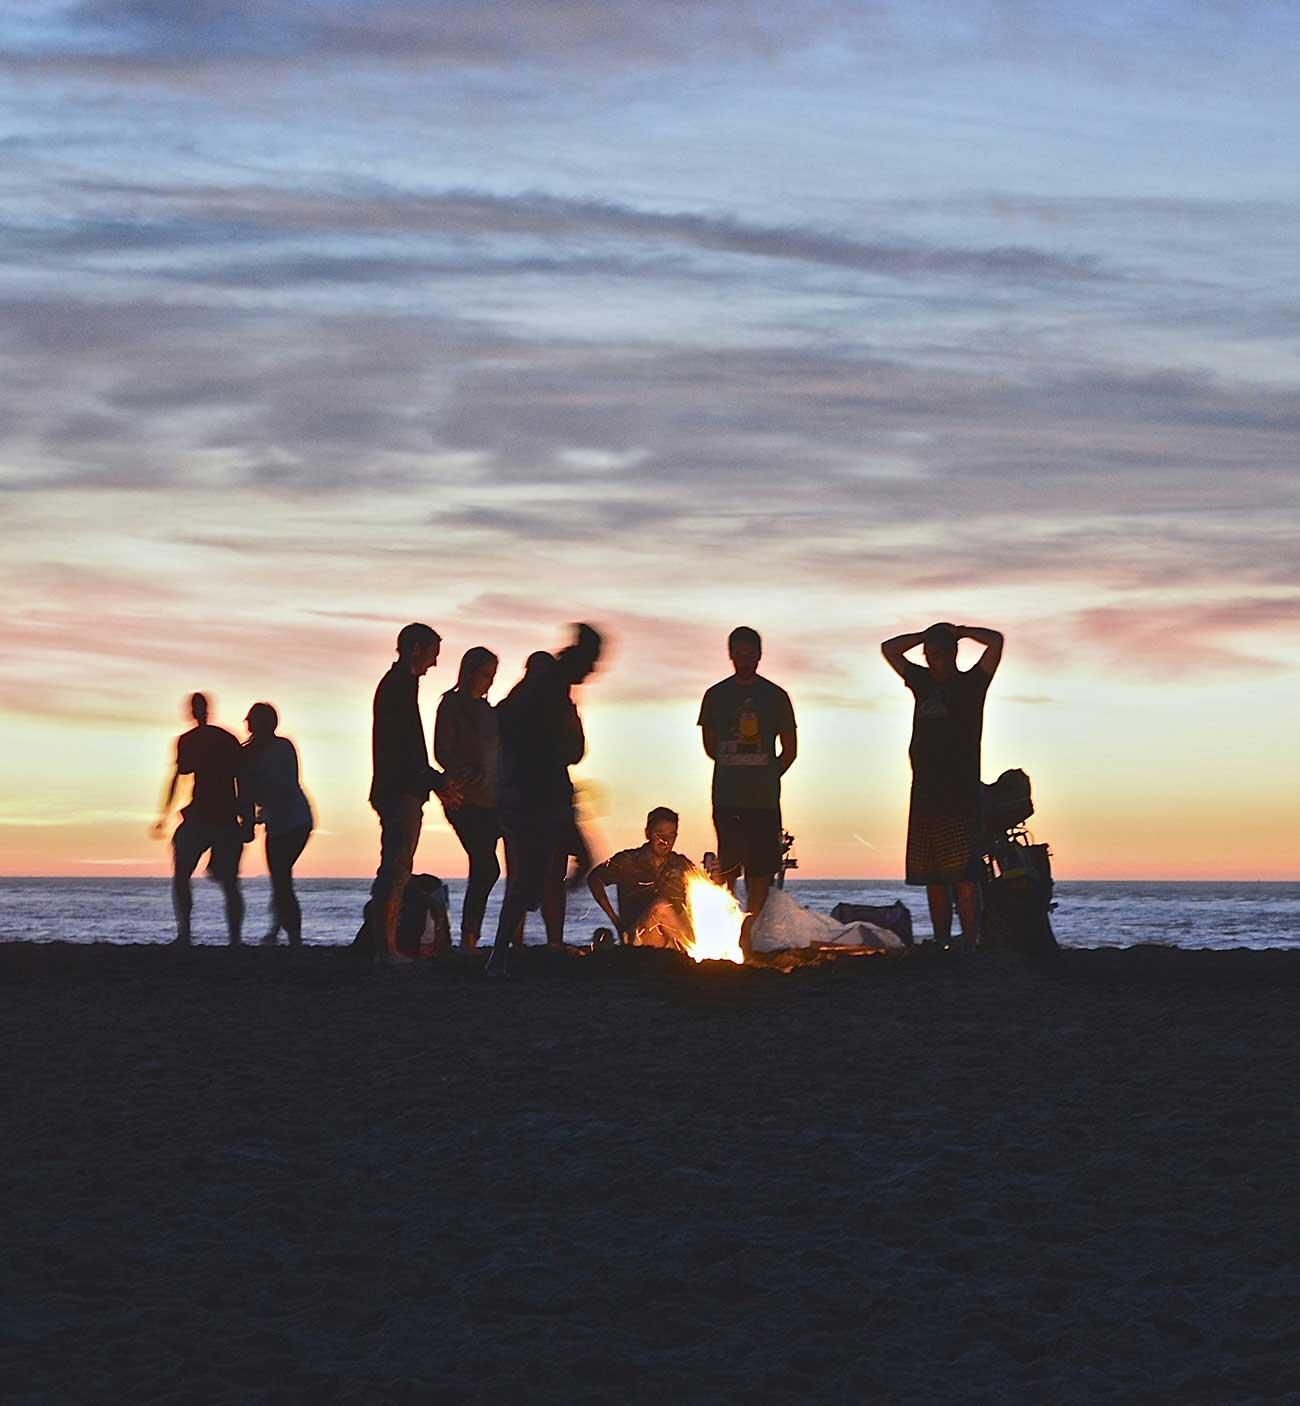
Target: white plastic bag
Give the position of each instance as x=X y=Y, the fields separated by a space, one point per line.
x=783 y=925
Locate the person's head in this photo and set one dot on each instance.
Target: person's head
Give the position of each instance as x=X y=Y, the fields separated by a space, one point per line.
x=262 y=720
x=578 y=659
x=478 y=667
x=940 y=649
x=199 y=707
x=417 y=647
x=661 y=829
x=745 y=648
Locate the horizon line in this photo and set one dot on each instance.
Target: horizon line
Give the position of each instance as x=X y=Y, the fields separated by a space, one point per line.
x=797 y=879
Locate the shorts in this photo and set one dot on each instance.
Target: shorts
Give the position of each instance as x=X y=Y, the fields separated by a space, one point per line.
x=749 y=841
x=193 y=838
x=940 y=850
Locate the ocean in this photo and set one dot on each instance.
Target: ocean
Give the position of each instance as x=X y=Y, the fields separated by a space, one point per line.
x=1207 y=914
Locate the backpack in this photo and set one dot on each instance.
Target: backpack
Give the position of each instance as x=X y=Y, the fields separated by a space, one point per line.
x=424 y=924
x=1018 y=899
x=896 y=916
x=1008 y=802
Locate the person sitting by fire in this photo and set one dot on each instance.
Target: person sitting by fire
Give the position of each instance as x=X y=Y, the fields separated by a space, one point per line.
x=651 y=883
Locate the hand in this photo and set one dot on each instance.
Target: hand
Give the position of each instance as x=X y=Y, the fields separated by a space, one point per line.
x=158 y=829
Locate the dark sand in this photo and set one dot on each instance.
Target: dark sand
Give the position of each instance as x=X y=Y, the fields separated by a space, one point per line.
x=268 y=1176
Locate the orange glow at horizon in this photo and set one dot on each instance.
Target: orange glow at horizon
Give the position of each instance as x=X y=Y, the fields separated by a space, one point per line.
x=1131 y=780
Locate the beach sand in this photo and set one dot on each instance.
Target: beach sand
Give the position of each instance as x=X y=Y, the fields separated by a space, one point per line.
x=261 y=1175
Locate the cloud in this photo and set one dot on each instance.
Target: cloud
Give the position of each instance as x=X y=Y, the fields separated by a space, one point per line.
x=148 y=38
x=151 y=40
x=198 y=216
x=1191 y=637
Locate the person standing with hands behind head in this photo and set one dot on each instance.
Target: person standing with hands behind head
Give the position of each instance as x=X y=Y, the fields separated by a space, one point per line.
x=402 y=779
x=944 y=831
x=465 y=744
x=743 y=718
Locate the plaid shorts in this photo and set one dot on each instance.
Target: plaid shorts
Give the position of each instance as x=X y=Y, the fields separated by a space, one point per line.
x=940 y=850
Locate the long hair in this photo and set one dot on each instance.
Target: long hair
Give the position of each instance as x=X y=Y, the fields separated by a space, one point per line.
x=262 y=734
x=471 y=662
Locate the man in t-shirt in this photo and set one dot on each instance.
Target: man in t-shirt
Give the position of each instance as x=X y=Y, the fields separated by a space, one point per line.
x=945 y=842
x=213 y=821
x=743 y=719
x=401 y=780
x=651 y=883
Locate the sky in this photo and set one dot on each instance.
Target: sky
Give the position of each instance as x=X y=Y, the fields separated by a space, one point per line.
x=829 y=318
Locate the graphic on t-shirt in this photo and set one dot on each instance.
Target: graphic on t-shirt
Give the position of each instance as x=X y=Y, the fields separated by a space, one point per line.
x=934 y=705
x=744 y=747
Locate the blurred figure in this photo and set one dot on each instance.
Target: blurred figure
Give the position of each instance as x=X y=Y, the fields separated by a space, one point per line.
x=651 y=884
x=274 y=798
x=465 y=745
x=944 y=832
x=402 y=779
x=541 y=738
x=213 y=822
x=743 y=719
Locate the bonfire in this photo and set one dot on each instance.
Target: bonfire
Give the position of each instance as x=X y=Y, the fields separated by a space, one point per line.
x=716 y=920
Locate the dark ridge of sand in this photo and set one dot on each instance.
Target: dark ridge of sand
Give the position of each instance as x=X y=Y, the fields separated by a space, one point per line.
x=259 y=1176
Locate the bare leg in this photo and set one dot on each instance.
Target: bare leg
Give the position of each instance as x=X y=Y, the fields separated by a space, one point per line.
x=968 y=910
x=554 y=898
x=182 y=894
x=234 y=908
x=757 y=888
x=663 y=926
x=510 y=925
x=940 y=897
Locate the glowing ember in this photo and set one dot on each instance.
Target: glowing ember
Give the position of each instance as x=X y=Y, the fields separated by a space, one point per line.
x=715 y=920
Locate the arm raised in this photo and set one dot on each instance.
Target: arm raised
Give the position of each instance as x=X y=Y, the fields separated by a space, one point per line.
x=895 y=649
x=992 y=640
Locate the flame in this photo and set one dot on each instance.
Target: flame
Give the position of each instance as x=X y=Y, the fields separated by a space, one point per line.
x=716 y=918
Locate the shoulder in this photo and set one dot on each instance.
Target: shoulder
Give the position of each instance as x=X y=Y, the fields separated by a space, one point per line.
x=393 y=680
x=915 y=675
x=719 y=690
x=773 y=690
x=776 y=698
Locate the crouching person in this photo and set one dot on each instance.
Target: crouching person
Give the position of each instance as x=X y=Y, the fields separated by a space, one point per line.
x=651 y=885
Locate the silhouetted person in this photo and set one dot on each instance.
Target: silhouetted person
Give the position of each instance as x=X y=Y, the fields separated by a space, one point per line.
x=743 y=719
x=465 y=745
x=944 y=833
x=402 y=779
x=213 y=822
x=541 y=738
x=651 y=885
x=274 y=798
